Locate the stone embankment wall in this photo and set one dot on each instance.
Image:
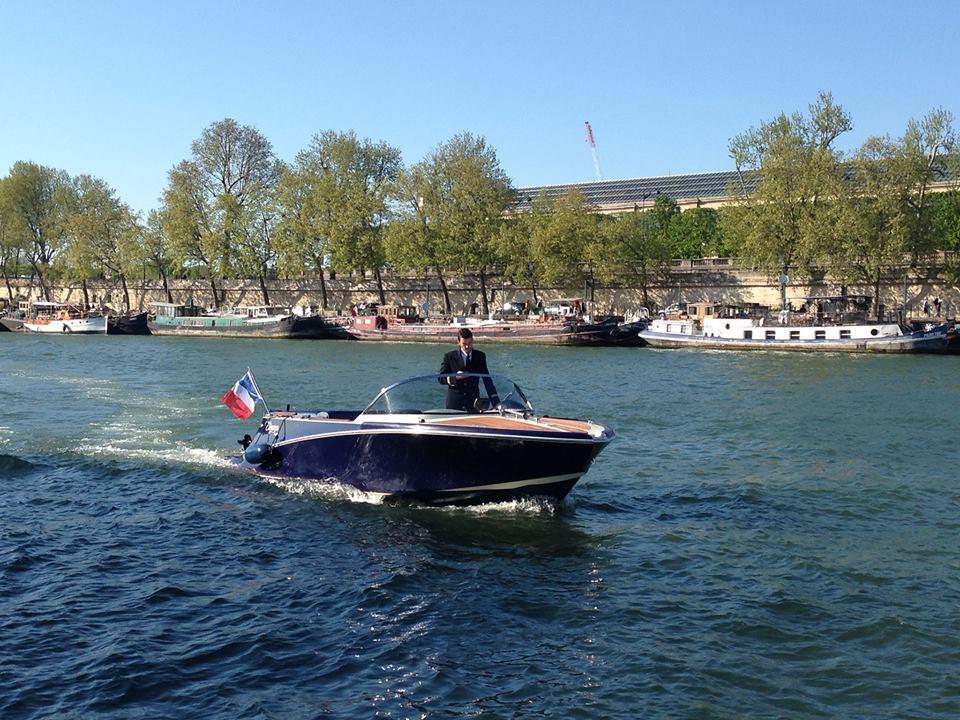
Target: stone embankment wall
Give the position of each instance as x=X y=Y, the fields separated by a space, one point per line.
x=710 y=279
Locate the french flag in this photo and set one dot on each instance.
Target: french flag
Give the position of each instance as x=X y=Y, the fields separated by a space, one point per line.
x=242 y=397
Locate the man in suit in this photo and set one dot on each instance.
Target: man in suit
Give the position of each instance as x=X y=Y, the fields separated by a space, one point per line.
x=462 y=394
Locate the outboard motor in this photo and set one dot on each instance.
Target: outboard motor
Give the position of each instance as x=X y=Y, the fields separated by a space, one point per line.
x=261 y=454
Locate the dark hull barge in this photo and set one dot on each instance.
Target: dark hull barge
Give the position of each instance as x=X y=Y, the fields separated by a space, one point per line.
x=246 y=322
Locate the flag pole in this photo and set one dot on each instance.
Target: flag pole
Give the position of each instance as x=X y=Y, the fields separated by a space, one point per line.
x=259 y=392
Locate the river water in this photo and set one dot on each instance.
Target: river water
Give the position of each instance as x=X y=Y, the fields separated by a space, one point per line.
x=770 y=535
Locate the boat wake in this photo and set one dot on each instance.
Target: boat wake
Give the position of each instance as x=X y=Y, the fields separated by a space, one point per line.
x=330 y=489
x=524 y=506
x=179 y=454
x=325 y=490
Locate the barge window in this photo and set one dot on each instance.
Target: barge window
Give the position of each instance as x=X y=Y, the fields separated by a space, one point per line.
x=820 y=334
x=794 y=334
x=771 y=335
x=748 y=334
x=845 y=334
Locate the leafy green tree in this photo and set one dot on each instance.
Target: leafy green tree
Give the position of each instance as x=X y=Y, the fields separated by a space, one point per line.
x=877 y=233
x=33 y=200
x=254 y=232
x=519 y=263
x=156 y=249
x=214 y=202
x=76 y=262
x=131 y=257
x=890 y=215
x=344 y=194
x=695 y=233
x=103 y=236
x=475 y=194
x=187 y=221
x=792 y=218
x=301 y=248
x=414 y=241
x=632 y=251
x=451 y=206
x=11 y=243
x=924 y=149
x=561 y=238
x=945 y=219
x=663 y=215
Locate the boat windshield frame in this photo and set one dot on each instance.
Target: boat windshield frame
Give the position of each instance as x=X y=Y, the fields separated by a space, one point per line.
x=511 y=397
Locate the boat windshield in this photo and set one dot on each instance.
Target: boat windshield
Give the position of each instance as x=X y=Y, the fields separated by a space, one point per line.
x=428 y=395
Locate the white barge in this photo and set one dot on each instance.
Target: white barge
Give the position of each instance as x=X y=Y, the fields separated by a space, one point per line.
x=827 y=324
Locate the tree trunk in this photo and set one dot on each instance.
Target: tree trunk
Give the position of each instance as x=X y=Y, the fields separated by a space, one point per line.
x=16 y=272
x=166 y=286
x=86 y=295
x=324 y=303
x=44 y=290
x=380 y=291
x=263 y=287
x=483 y=292
x=216 y=295
x=448 y=308
x=126 y=293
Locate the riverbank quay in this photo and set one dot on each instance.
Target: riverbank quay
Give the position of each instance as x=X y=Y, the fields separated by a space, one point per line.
x=768 y=536
x=913 y=288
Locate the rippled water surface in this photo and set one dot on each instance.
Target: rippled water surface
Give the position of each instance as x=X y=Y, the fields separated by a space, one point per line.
x=770 y=535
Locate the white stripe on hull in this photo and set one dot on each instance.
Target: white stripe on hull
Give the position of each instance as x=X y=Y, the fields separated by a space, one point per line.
x=424 y=430
x=516 y=485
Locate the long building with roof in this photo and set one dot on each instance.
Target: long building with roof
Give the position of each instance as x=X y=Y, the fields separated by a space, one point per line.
x=619 y=196
x=712 y=189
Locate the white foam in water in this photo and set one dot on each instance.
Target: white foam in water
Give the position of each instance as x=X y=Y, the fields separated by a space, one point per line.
x=325 y=489
x=179 y=454
x=333 y=490
x=531 y=506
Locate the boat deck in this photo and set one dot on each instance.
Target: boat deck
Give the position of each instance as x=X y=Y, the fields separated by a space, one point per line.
x=446 y=418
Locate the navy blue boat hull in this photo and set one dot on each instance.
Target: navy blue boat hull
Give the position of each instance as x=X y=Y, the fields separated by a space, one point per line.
x=437 y=467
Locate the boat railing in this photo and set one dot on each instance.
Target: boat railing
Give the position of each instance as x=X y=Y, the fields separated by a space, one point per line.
x=808 y=319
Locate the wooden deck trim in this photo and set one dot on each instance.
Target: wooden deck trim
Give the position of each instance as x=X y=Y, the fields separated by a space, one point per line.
x=495 y=421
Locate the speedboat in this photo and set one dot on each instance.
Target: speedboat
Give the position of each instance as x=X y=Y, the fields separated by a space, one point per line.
x=406 y=445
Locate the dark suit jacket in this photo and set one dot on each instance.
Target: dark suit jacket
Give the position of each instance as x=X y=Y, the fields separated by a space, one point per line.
x=462 y=394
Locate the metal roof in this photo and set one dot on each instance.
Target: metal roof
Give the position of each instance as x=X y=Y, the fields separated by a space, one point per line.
x=641 y=191
x=685 y=189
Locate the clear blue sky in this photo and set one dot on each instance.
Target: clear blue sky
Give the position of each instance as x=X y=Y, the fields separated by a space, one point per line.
x=120 y=89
